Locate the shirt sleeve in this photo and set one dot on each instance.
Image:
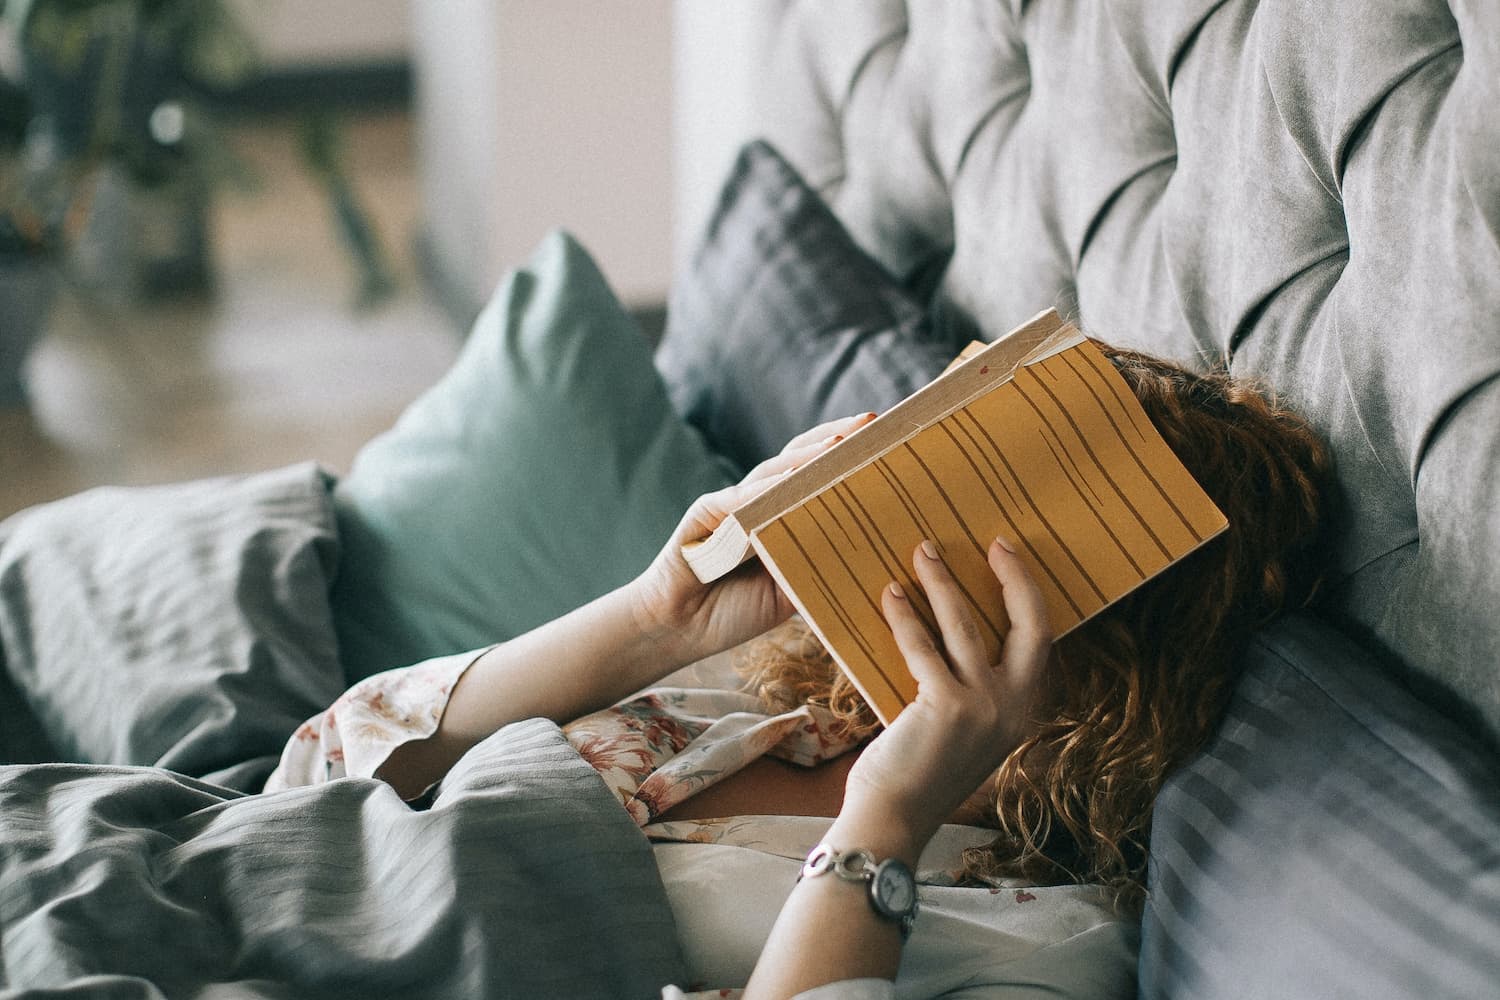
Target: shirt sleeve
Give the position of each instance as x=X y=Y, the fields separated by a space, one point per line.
x=354 y=736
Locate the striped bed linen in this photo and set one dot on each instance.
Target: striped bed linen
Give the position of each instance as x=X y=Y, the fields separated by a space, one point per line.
x=1337 y=838
x=524 y=879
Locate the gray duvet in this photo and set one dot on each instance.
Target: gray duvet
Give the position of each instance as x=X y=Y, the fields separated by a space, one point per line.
x=524 y=879
x=118 y=878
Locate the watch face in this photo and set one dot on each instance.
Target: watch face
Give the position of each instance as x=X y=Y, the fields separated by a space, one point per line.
x=895 y=888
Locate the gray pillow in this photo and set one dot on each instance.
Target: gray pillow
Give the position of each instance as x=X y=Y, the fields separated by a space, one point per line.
x=782 y=321
x=1335 y=832
x=184 y=626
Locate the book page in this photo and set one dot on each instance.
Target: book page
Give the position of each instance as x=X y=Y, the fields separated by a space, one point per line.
x=1060 y=458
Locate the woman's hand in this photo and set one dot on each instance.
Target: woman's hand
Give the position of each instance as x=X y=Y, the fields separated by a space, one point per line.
x=712 y=617
x=970 y=712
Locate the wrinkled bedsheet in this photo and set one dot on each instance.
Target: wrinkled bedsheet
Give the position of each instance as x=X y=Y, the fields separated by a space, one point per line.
x=166 y=641
x=523 y=879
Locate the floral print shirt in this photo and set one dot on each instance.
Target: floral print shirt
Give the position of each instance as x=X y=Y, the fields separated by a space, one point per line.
x=354 y=735
x=661 y=747
x=653 y=751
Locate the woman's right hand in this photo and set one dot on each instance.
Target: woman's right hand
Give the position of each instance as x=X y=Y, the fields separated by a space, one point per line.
x=711 y=617
x=971 y=709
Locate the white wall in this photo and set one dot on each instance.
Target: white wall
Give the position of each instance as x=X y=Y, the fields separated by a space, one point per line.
x=457 y=138
x=718 y=52
x=541 y=113
x=297 y=33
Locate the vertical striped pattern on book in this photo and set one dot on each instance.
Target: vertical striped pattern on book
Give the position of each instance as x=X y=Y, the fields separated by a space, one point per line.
x=1060 y=458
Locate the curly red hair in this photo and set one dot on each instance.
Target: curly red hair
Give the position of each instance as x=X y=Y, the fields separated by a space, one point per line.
x=1140 y=687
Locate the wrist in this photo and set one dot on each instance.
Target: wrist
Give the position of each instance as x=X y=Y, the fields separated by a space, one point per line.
x=658 y=624
x=890 y=884
x=883 y=835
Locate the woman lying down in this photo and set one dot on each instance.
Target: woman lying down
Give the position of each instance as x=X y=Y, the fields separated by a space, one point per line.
x=992 y=840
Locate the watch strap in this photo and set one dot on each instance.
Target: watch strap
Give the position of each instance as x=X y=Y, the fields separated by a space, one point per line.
x=859 y=865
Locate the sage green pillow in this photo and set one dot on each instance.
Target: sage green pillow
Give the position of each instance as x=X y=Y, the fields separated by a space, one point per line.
x=545 y=468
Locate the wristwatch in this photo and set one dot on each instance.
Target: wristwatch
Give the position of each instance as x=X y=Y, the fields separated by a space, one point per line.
x=892 y=886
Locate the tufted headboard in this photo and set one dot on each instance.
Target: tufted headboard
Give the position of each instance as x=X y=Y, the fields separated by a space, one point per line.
x=1310 y=190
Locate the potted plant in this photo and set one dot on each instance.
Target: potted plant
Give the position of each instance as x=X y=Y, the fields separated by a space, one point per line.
x=26 y=279
x=114 y=128
x=114 y=154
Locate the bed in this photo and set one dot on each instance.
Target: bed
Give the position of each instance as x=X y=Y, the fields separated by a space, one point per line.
x=1308 y=192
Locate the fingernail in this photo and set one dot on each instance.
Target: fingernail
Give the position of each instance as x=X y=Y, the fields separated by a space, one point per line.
x=1001 y=541
x=928 y=549
x=832 y=439
x=897 y=592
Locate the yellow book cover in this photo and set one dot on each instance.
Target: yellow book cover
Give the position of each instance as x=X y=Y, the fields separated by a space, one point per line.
x=1035 y=437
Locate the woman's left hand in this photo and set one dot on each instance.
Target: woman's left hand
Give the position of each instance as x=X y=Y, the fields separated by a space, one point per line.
x=673 y=604
x=971 y=709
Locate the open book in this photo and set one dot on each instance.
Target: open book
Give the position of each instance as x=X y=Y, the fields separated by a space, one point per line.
x=1035 y=437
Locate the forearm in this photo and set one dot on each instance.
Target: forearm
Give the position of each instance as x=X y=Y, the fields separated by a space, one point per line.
x=608 y=649
x=827 y=931
x=584 y=661
x=969 y=714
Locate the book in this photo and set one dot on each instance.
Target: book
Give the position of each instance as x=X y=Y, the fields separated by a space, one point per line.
x=1035 y=437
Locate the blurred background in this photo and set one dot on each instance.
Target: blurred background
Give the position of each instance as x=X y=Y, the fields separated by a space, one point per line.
x=236 y=234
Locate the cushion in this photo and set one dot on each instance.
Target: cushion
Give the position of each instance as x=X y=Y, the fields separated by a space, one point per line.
x=185 y=626
x=545 y=468
x=1337 y=838
x=1308 y=191
x=782 y=322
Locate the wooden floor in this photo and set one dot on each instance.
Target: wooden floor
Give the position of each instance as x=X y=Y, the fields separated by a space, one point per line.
x=277 y=366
